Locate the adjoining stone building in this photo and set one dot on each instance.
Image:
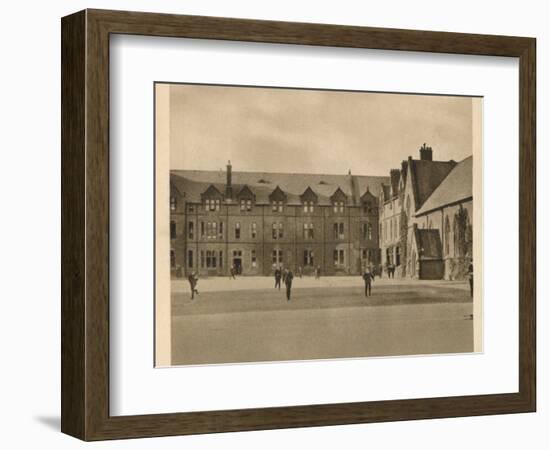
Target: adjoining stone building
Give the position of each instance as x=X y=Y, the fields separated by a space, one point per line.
x=255 y=221
x=426 y=218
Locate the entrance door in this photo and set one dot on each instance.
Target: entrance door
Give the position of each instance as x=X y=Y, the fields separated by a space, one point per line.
x=238 y=261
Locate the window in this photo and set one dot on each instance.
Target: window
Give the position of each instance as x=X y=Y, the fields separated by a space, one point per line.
x=338 y=230
x=202 y=259
x=202 y=230
x=237 y=230
x=190 y=230
x=172 y=229
x=277 y=206
x=172 y=259
x=367 y=208
x=173 y=203
x=210 y=259
x=338 y=207
x=253 y=230
x=277 y=230
x=338 y=257
x=211 y=204
x=221 y=258
x=308 y=231
x=277 y=257
x=212 y=230
x=253 y=260
x=190 y=259
x=191 y=208
x=308 y=257
x=366 y=230
x=220 y=232
x=246 y=205
x=308 y=207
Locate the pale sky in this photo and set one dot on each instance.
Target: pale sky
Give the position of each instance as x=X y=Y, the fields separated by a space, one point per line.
x=312 y=131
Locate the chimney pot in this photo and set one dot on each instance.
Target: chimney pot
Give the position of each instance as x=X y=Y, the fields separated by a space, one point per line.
x=426 y=153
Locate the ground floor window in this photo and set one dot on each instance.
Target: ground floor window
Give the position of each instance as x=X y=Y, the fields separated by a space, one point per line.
x=253 y=260
x=308 y=257
x=190 y=259
x=339 y=257
x=211 y=259
x=172 y=259
x=277 y=257
x=221 y=257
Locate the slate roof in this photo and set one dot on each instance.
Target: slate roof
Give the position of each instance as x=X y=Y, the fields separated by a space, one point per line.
x=430 y=242
x=455 y=187
x=194 y=182
x=427 y=175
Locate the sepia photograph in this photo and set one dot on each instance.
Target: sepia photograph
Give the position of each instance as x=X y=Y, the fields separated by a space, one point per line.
x=298 y=224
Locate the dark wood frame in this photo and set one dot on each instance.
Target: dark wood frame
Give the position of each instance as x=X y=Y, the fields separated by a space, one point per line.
x=85 y=224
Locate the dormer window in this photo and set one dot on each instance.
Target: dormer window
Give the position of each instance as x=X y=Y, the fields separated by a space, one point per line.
x=338 y=199
x=308 y=206
x=338 y=207
x=212 y=204
x=277 y=206
x=277 y=199
x=173 y=203
x=246 y=205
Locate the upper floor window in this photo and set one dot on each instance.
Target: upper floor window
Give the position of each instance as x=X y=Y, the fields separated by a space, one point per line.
x=237 y=230
x=277 y=230
x=190 y=230
x=172 y=229
x=212 y=204
x=366 y=230
x=277 y=206
x=308 y=206
x=338 y=230
x=173 y=203
x=338 y=207
x=253 y=230
x=246 y=205
x=308 y=231
x=211 y=230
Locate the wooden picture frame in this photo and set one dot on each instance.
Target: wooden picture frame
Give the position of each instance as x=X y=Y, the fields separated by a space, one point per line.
x=85 y=224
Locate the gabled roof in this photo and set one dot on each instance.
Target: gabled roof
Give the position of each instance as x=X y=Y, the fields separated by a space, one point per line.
x=263 y=184
x=367 y=196
x=339 y=196
x=212 y=191
x=428 y=244
x=426 y=176
x=246 y=193
x=277 y=195
x=308 y=195
x=457 y=186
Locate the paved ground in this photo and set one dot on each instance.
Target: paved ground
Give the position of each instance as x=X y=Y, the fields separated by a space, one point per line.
x=247 y=320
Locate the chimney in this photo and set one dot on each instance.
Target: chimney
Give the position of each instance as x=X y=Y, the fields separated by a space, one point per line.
x=394 y=180
x=228 y=186
x=426 y=153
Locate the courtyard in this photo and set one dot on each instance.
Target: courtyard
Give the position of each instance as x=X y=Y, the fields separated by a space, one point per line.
x=247 y=319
